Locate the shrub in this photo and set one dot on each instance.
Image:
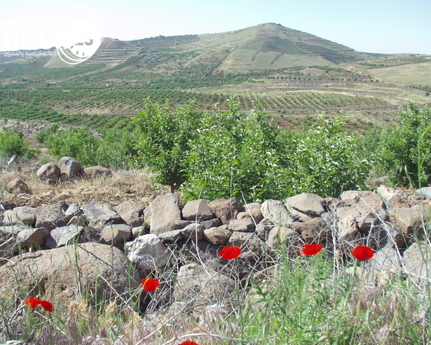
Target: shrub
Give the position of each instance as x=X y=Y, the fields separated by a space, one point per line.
x=12 y=143
x=405 y=149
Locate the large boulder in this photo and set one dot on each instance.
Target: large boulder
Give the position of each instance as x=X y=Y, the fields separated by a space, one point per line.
x=308 y=203
x=17 y=186
x=49 y=172
x=132 y=212
x=163 y=212
x=99 y=271
x=52 y=216
x=70 y=167
x=148 y=252
x=100 y=214
x=197 y=210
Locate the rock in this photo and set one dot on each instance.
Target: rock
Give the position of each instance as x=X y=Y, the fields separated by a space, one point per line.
x=148 y=252
x=12 y=229
x=197 y=210
x=308 y=203
x=298 y=216
x=313 y=230
x=63 y=236
x=263 y=229
x=408 y=219
x=34 y=238
x=212 y=223
x=253 y=211
x=416 y=262
x=10 y=217
x=424 y=192
x=193 y=232
x=26 y=214
x=225 y=209
x=276 y=213
x=200 y=287
x=164 y=211
x=116 y=234
x=365 y=202
x=17 y=186
x=282 y=235
x=247 y=242
x=132 y=212
x=393 y=198
x=98 y=214
x=97 y=171
x=244 y=224
x=172 y=236
x=218 y=236
x=181 y=224
x=348 y=228
x=52 y=216
x=49 y=172
x=73 y=210
x=70 y=166
x=59 y=274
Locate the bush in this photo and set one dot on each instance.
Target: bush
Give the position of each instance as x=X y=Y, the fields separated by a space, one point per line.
x=327 y=160
x=12 y=143
x=234 y=155
x=405 y=150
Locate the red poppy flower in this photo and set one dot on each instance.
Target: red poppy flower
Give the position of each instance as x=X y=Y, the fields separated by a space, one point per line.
x=47 y=306
x=188 y=342
x=363 y=253
x=32 y=302
x=311 y=249
x=229 y=253
x=150 y=284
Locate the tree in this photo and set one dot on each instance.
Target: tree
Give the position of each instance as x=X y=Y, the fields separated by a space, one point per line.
x=163 y=140
x=406 y=149
x=234 y=154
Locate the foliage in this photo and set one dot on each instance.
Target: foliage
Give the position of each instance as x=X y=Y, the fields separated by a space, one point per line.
x=111 y=149
x=326 y=160
x=12 y=143
x=234 y=154
x=405 y=149
x=163 y=139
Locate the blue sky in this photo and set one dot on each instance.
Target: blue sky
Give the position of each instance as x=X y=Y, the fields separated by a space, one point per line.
x=376 y=26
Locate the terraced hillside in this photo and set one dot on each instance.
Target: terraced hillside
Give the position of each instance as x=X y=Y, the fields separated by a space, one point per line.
x=291 y=74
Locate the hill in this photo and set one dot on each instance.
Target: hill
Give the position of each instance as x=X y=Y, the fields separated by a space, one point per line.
x=292 y=74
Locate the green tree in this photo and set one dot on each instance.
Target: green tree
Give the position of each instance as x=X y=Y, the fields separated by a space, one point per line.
x=326 y=160
x=405 y=150
x=163 y=140
x=234 y=154
x=12 y=143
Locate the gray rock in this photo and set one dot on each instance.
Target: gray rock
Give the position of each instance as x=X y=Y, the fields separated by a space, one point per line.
x=211 y=223
x=131 y=212
x=172 y=236
x=313 y=230
x=62 y=236
x=193 y=232
x=181 y=224
x=424 y=192
x=263 y=229
x=10 y=217
x=97 y=171
x=244 y=224
x=34 y=238
x=26 y=214
x=98 y=214
x=49 y=172
x=70 y=166
x=276 y=213
x=308 y=203
x=218 y=236
x=197 y=210
x=52 y=216
x=247 y=242
x=116 y=234
x=148 y=252
x=393 y=198
x=164 y=211
x=17 y=186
